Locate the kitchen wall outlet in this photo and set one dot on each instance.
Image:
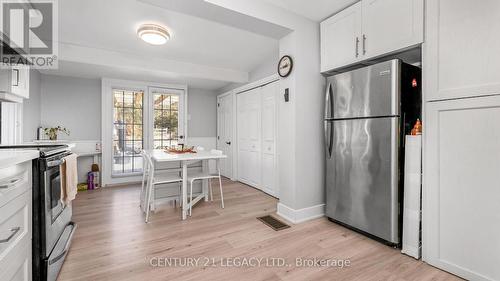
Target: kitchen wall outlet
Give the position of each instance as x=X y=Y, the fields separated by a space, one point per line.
x=287 y=95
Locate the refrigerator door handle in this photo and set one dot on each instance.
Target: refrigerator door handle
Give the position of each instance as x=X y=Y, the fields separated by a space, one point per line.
x=328 y=102
x=329 y=138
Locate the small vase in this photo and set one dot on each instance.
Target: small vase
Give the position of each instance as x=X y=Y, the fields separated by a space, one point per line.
x=53 y=137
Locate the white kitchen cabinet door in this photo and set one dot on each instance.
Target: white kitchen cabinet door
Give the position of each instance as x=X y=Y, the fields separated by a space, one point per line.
x=249 y=136
x=269 y=181
x=225 y=133
x=341 y=38
x=391 y=25
x=461 y=57
x=461 y=191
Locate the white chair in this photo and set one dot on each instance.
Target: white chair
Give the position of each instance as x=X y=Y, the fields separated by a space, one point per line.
x=209 y=176
x=153 y=181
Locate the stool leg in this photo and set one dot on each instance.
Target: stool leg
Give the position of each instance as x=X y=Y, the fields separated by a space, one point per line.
x=211 y=191
x=191 y=199
x=221 y=195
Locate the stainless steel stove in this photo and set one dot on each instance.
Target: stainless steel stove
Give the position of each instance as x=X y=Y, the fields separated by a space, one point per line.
x=52 y=226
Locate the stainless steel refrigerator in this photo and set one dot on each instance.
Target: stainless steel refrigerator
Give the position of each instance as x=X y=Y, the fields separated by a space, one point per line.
x=367 y=113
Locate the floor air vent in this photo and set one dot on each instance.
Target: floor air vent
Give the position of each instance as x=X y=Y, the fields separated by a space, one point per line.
x=273 y=223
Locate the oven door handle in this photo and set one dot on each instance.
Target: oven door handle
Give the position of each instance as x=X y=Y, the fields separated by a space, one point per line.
x=66 y=246
x=55 y=163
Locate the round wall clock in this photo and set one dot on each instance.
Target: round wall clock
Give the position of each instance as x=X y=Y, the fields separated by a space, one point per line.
x=285 y=66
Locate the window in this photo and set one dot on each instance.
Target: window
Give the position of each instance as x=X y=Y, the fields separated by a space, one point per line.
x=166 y=120
x=128 y=137
x=138 y=116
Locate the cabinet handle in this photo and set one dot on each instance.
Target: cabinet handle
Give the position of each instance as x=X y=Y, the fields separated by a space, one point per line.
x=16 y=83
x=364 y=44
x=10 y=183
x=357 y=46
x=13 y=232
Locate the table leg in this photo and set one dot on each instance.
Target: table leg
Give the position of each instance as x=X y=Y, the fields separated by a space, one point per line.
x=205 y=168
x=184 y=190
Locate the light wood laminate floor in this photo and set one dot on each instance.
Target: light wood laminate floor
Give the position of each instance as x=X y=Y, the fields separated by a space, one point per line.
x=112 y=242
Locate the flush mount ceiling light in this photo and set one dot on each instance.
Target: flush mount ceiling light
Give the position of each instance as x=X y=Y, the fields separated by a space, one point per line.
x=153 y=34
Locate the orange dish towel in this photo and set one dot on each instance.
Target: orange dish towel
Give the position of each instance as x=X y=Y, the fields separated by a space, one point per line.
x=69 y=179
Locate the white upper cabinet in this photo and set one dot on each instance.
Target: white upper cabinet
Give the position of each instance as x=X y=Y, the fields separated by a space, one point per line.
x=369 y=29
x=20 y=81
x=14 y=82
x=461 y=51
x=390 y=25
x=341 y=38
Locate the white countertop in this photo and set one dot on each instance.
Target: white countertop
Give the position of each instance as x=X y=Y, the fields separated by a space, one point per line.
x=9 y=157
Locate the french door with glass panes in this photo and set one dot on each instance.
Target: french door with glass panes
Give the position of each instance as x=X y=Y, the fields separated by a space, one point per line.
x=144 y=119
x=128 y=131
x=166 y=118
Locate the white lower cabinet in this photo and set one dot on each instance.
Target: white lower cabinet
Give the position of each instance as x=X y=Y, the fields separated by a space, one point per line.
x=15 y=222
x=256 y=130
x=461 y=194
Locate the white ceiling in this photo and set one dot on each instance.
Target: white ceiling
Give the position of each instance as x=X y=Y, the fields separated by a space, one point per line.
x=100 y=36
x=316 y=10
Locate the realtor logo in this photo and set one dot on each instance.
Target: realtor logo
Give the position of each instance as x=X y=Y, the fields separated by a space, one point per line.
x=28 y=31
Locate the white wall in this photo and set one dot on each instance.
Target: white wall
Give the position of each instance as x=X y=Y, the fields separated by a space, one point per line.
x=202 y=109
x=300 y=134
x=32 y=108
x=268 y=67
x=73 y=103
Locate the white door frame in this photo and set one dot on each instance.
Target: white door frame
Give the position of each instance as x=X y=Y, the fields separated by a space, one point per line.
x=107 y=86
x=234 y=92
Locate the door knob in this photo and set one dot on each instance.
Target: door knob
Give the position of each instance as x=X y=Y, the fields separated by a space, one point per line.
x=228 y=142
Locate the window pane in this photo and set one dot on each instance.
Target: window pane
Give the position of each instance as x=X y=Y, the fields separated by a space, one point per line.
x=166 y=120
x=128 y=99
x=166 y=101
x=175 y=103
x=158 y=101
x=127 y=131
x=138 y=98
x=138 y=116
x=118 y=98
x=128 y=115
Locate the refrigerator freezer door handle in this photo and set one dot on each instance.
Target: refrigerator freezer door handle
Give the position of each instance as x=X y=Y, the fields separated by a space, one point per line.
x=328 y=102
x=329 y=138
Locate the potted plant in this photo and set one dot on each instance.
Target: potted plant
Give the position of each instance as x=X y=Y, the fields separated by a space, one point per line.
x=54 y=131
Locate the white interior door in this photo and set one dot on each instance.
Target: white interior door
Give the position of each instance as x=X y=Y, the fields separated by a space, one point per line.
x=269 y=180
x=249 y=137
x=225 y=133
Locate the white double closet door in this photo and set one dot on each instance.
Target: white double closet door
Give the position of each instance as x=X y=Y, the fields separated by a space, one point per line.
x=256 y=129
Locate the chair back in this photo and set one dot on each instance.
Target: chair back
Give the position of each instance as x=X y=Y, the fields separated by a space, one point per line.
x=148 y=163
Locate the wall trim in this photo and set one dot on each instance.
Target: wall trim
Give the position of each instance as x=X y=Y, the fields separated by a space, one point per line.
x=301 y=215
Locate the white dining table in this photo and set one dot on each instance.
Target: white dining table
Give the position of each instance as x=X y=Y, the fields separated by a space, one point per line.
x=161 y=156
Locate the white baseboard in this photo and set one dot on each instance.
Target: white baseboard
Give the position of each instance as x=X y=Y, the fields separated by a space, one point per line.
x=301 y=215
